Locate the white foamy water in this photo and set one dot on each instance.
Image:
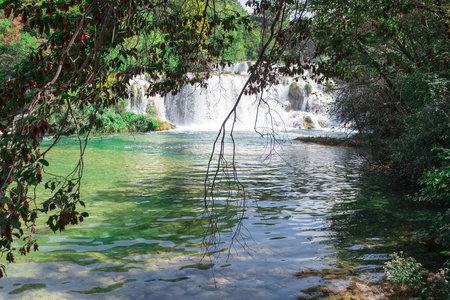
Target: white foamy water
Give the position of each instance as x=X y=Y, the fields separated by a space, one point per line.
x=287 y=104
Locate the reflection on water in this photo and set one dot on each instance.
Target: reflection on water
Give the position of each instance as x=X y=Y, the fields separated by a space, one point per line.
x=308 y=210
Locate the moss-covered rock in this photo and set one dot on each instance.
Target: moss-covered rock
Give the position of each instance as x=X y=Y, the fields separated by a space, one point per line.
x=294 y=90
x=296 y=96
x=308 y=122
x=308 y=88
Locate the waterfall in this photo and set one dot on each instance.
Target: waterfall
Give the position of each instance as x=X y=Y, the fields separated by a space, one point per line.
x=301 y=104
x=139 y=102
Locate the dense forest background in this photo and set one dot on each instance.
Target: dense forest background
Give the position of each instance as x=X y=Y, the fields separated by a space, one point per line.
x=389 y=61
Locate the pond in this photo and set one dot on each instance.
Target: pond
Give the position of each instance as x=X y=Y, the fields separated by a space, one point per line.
x=308 y=210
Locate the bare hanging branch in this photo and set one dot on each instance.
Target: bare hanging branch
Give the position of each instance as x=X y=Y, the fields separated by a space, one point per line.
x=261 y=77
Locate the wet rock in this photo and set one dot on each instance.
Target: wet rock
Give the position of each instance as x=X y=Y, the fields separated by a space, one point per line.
x=296 y=96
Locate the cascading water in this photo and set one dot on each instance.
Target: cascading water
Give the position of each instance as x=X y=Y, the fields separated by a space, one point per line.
x=139 y=102
x=301 y=104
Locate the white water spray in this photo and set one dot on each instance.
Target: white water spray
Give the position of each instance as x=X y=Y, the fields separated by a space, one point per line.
x=301 y=104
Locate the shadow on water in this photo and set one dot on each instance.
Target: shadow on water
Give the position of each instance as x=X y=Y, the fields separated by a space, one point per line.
x=379 y=221
x=368 y=226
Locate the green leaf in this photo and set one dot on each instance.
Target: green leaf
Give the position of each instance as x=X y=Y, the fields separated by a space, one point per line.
x=44 y=162
x=85 y=214
x=3 y=4
x=16 y=224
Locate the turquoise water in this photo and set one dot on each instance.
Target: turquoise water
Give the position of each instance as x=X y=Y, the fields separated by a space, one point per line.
x=308 y=208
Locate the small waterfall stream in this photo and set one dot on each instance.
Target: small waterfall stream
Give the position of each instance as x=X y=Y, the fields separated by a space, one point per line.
x=301 y=104
x=140 y=103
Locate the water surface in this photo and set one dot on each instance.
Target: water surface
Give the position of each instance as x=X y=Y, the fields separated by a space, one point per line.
x=308 y=209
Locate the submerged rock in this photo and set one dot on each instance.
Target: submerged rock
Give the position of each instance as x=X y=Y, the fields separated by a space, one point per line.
x=345 y=284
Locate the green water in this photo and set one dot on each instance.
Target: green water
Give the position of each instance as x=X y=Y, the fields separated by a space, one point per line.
x=308 y=209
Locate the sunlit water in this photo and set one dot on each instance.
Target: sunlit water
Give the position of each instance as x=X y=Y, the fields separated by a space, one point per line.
x=308 y=209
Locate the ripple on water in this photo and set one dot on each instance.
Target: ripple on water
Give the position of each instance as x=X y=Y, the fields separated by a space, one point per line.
x=144 y=194
x=99 y=248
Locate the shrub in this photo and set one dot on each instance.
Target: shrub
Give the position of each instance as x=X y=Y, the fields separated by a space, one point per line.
x=414 y=279
x=83 y=119
x=436 y=190
x=142 y=123
x=436 y=181
x=110 y=120
x=162 y=125
x=442 y=230
x=121 y=106
x=406 y=272
x=403 y=130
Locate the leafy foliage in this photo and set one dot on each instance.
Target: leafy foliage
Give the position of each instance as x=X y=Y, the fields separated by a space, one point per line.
x=436 y=190
x=109 y=120
x=415 y=280
x=392 y=63
x=404 y=271
x=15 y=44
x=442 y=231
x=436 y=181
